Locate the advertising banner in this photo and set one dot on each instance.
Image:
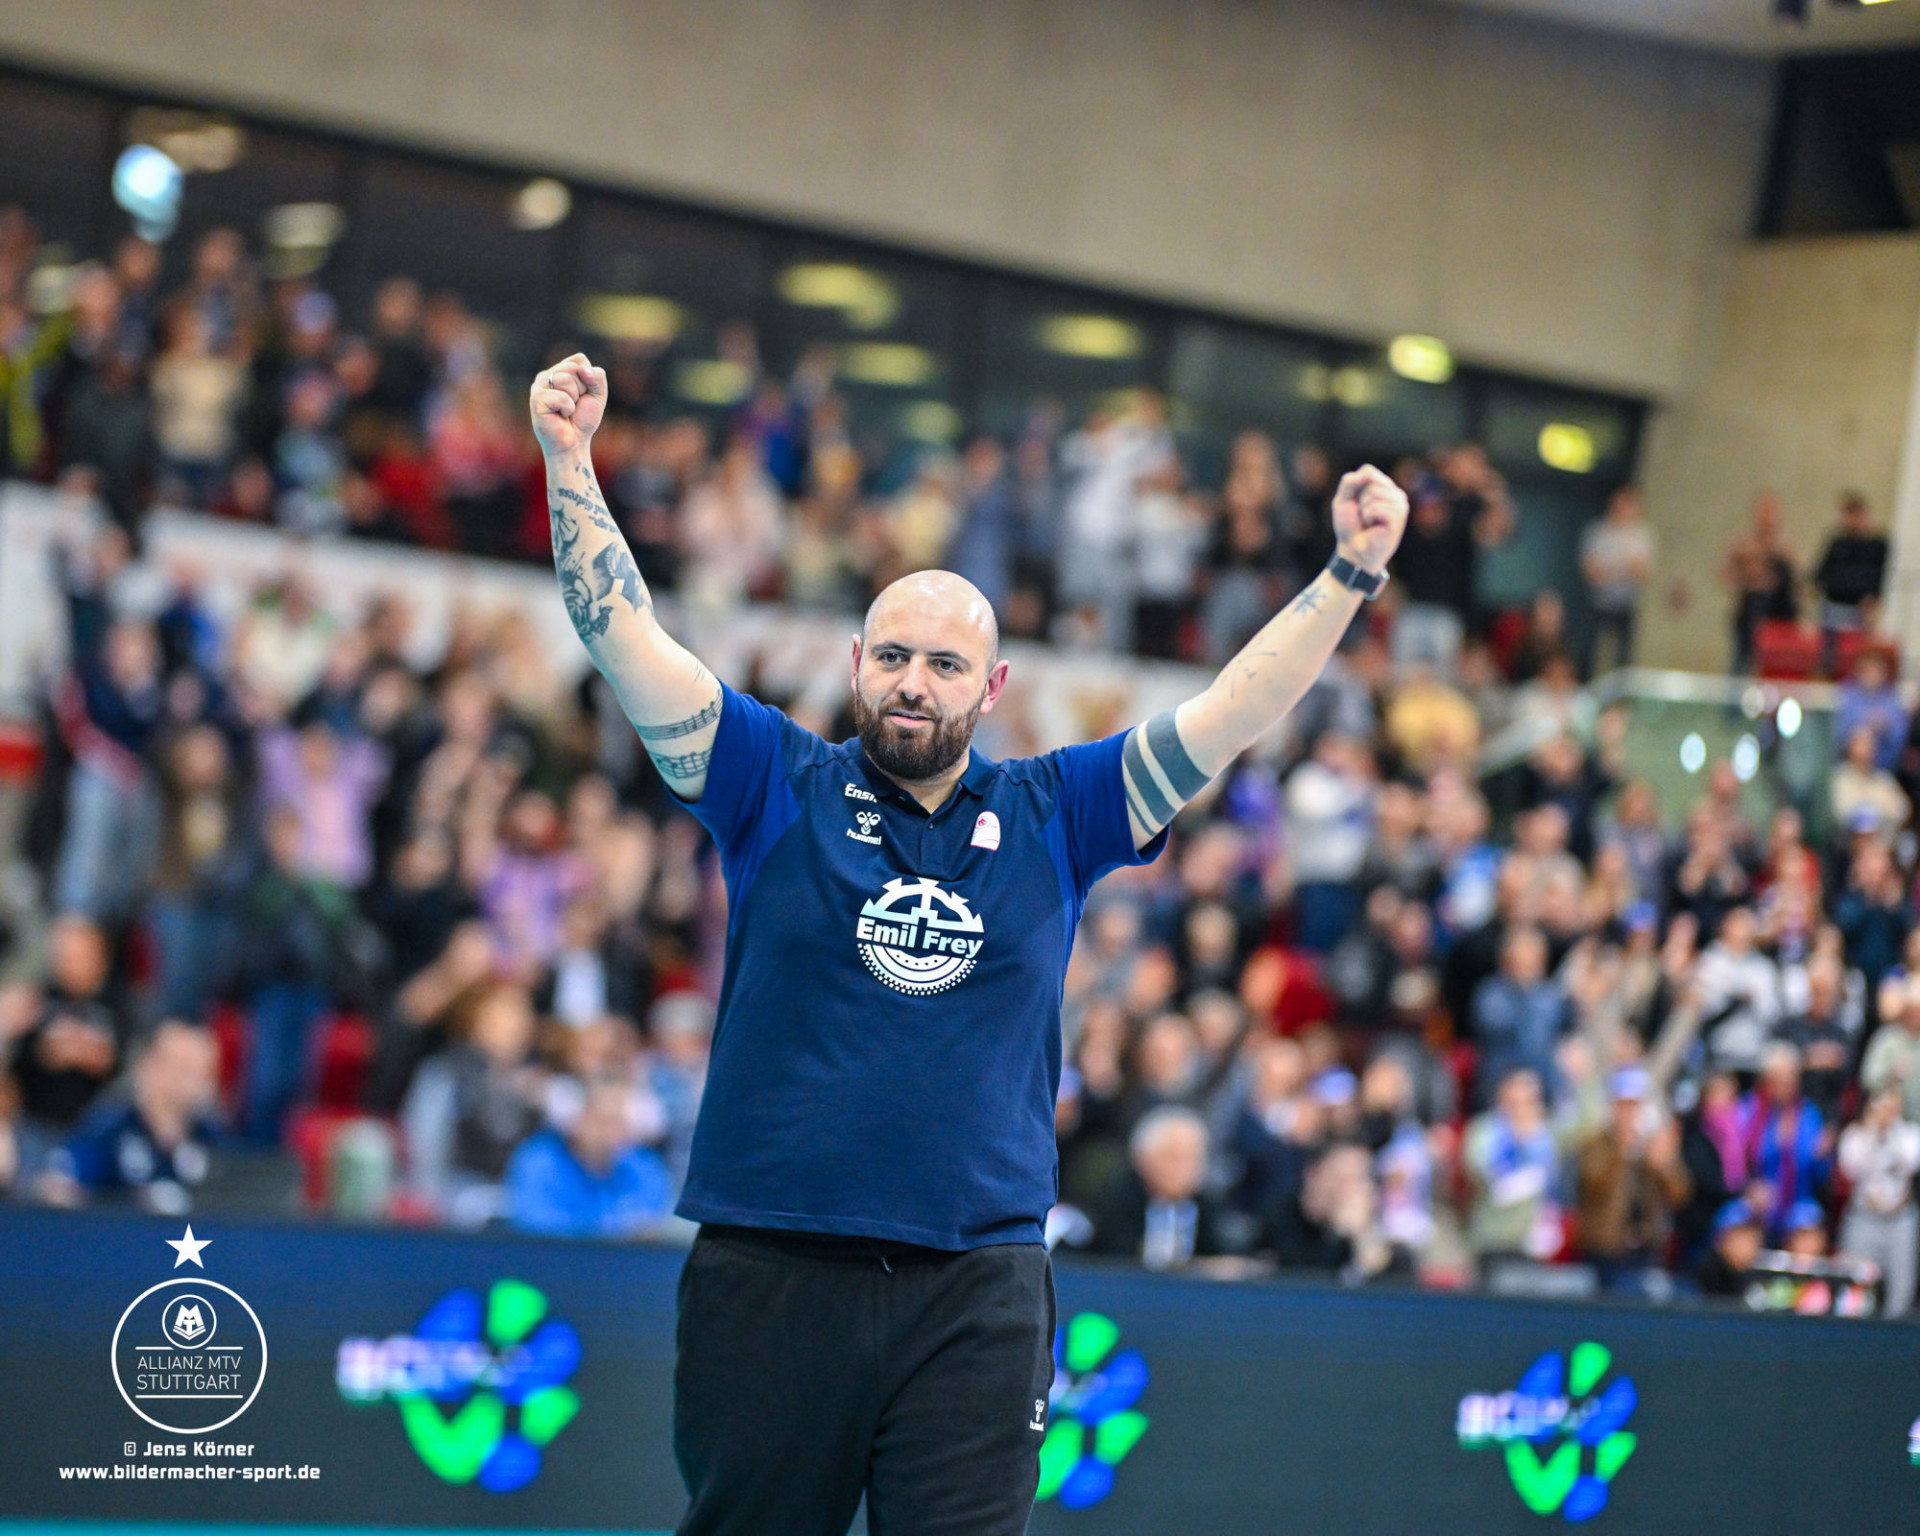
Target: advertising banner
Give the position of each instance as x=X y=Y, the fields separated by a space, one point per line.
x=307 y=1376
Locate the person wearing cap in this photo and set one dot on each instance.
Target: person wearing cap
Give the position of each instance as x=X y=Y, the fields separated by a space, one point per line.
x=1738 y=1237
x=1628 y=1183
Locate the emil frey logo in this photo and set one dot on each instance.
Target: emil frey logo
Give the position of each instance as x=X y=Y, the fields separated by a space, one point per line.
x=481 y=1387
x=919 y=938
x=1095 y=1423
x=1547 y=1425
x=189 y=1355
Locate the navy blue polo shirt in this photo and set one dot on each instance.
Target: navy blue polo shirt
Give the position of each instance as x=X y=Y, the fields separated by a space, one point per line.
x=888 y=1042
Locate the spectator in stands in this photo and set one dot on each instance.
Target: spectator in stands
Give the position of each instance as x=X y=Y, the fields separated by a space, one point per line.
x=1863 y=794
x=1329 y=804
x=1158 y=1211
x=1630 y=1180
x=594 y=1180
x=1872 y=911
x=1738 y=1238
x=986 y=537
x=202 y=863
x=1820 y=1032
x=154 y=1146
x=111 y=718
x=1105 y=463
x=1403 y=1159
x=1520 y=1013
x=468 y=1110
x=1758 y=569
x=1170 y=534
x=1870 y=700
x=68 y=1035
x=1893 y=1054
x=1851 y=573
x=1880 y=1155
x=1616 y=558
x=1739 y=993
x=197 y=382
x=1788 y=1143
x=291 y=964
x=1512 y=1163
x=1333 y=1225
x=1249 y=566
x=680 y=1028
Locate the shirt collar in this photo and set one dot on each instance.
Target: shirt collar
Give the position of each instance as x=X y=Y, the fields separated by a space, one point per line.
x=978 y=775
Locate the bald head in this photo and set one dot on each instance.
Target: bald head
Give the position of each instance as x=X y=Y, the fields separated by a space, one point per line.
x=937 y=602
x=925 y=668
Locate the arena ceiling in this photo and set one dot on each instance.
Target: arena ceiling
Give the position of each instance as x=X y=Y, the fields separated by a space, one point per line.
x=1736 y=26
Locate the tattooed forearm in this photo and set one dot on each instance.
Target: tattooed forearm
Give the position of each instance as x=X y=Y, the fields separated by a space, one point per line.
x=689 y=765
x=686 y=727
x=1309 y=599
x=591 y=507
x=589 y=585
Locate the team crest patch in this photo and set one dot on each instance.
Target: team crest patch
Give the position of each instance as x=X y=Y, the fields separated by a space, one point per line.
x=918 y=937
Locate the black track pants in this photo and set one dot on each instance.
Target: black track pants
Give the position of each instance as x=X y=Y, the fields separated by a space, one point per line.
x=813 y=1370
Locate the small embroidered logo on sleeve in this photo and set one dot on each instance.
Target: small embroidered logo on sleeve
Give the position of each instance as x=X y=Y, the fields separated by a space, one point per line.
x=986 y=831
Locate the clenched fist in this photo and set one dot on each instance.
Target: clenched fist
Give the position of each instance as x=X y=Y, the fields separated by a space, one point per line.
x=1369 y=515
x=567 y=402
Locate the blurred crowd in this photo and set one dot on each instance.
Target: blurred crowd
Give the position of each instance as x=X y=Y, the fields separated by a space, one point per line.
x=442 y=933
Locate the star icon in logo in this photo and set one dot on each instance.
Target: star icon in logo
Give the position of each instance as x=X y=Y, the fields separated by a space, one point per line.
x=188 y=1247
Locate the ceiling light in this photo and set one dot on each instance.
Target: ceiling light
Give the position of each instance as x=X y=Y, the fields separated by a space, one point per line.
x=630 y=317
x=891 y=363
x=712 y=381
x=930 y=421
x=147 y=183
x=1424 y=359
x=1357 y=388
x=866 y=299
x=1567 y=447
x=1100 y=337
x=540 y=204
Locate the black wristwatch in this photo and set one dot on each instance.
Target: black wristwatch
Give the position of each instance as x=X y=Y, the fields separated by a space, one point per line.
x=1350 y=576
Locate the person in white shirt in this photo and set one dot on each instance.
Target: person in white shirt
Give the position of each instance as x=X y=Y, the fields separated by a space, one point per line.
x=1880 y=1154
x=1739 y=994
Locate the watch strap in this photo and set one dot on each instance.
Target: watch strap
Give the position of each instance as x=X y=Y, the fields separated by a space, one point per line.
x=1354 y=579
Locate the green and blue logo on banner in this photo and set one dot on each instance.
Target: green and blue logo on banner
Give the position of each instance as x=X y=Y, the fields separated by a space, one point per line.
x=1095 y=1423
x=1563 y=1433
x=481 y=1384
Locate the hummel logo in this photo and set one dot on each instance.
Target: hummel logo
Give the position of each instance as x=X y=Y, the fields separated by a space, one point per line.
x=854 y=792
x=1039 y=1415
x=868 y=821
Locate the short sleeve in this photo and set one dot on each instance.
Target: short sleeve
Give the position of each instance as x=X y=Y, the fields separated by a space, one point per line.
x=1092 y=808
x=748 y=760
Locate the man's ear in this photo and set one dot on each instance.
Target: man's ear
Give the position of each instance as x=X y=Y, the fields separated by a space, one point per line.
x=856 y=663
x=996 y=680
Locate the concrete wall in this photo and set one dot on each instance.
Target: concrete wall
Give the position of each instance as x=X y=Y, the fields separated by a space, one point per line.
x=1807 y=386
x=1544 y=198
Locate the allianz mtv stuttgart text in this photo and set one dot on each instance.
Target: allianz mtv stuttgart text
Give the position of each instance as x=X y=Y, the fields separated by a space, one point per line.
x=189 y=1356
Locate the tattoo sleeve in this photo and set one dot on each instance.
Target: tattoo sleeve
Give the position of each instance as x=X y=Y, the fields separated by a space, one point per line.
x=598 y=579
x=686 y=727
x=1158 y=773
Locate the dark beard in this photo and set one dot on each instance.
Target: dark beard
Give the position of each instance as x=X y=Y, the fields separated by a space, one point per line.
x=913 y=757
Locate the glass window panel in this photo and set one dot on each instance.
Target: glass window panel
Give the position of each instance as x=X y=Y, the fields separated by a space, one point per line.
x=1060 y=345
x=272 y=171
x=449 y=227
x=1223 y=380
x=55 y=149
x=1383 y=416
x=1535 y=432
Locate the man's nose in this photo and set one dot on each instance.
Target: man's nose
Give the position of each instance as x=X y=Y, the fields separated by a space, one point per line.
x=917 y=683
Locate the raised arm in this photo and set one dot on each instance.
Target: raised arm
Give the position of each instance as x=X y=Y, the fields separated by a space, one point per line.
x=1171 y=758
x=672 y=700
